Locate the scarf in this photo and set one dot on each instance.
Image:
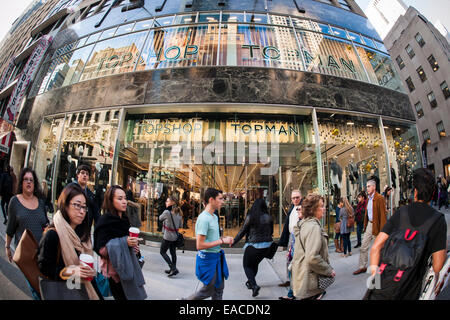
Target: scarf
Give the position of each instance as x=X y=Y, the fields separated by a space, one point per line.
x=70 y=242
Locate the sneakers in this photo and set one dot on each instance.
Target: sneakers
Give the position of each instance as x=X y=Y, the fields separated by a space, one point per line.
x=357 y=246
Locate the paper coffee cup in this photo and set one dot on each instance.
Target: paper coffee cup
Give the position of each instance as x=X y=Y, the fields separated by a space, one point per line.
x=134 y=232
x=87 y=260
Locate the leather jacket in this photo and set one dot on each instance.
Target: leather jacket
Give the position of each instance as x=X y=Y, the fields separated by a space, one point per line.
x=260 y=230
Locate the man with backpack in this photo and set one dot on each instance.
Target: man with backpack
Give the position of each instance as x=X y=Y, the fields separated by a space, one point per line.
x=399 y=256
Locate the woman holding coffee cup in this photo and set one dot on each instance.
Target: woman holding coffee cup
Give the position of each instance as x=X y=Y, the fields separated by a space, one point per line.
x=118 y=246
x=66 y=249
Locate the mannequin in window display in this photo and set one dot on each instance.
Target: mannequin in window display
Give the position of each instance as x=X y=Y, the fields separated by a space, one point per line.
x=336 y=180
x=72 y=170
x=353 y=177
x=48 y=172
x=101 y=182
x=403 y=181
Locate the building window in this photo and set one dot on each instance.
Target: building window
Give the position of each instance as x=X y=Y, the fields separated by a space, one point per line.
x=433 y=63
x=344 y=5
x=410 y=51
x=421 y=74
x=400 y=62
x=432 y=100
x=445 y=91
x=426 y=136
x=420 y=40
x=410 y=85
x=419 y=110
x=440 y=129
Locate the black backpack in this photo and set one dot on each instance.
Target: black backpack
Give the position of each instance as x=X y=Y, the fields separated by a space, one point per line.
x=400 y=272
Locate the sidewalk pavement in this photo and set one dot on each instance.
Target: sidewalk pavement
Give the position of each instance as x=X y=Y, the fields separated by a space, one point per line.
x=271 y=273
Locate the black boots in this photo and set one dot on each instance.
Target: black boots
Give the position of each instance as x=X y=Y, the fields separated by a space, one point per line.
x=255 y=289
x=172 y=271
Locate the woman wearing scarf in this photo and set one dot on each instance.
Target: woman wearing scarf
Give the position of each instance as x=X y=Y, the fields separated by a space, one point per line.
x=65 y=239
x=117 y=249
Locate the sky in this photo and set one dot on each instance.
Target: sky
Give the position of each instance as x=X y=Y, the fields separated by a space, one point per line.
x=431 y=9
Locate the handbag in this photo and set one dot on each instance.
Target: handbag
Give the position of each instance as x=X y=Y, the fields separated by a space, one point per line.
x=270 y=253
x=103 y=285
x=350 y=221
x=58 y=290
x=337 y=227
x=25 y=258
x=325 y=282
x=179 y=243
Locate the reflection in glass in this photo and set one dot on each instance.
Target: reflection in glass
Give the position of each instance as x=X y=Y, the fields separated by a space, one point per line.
x=259 y=46
x=93 y=38
x=380 y=69
x=185 y=19
x=66 y=69
x=126 y=28
x=352 y=153
x=114 y=56
x=233 y=17
x=143 y=25
x=180 y=47
x=404 y=156
x=85 y=141
x=45 y=159
x=208 y=17
x=108 y=33
x=324 y=54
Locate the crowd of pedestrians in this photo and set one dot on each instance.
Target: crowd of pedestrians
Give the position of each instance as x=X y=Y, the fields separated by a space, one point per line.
x=64 y=243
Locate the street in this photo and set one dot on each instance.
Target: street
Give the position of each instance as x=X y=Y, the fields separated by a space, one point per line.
x=160 y=287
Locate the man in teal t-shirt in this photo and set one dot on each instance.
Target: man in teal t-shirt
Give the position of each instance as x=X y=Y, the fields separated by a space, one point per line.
x=208 y=244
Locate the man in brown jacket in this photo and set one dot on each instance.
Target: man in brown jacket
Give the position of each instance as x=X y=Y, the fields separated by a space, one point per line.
x=374 y=221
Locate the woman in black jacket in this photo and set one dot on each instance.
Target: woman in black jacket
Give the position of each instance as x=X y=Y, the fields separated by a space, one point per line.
x=258 y=229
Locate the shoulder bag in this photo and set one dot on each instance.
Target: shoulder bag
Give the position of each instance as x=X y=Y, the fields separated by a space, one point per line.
x=323 y=281
x=60 y=290
x=25 y=258
x=179 y=243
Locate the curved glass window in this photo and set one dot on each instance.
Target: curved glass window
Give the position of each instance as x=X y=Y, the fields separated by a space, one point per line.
x=180 y=47
x=117 y=55
x=228 y=39
x=325 y=54
x=380 y=69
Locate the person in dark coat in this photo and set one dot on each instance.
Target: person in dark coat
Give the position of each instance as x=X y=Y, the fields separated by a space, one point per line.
x=258 y=230
x=83 y=174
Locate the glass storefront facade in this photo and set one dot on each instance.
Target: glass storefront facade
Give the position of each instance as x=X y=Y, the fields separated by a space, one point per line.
x=220 y=39
x=247 y=156
x=254 y=104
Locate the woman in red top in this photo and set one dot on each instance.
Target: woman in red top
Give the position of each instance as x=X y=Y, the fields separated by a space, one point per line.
x=359 y=216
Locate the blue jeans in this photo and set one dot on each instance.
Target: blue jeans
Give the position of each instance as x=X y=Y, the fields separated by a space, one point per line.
x=290 y=292
x=347 y=243
x=359 y=231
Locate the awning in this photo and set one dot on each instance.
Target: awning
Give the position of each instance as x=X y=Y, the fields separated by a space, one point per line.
x=50 y=21
x=8 y=90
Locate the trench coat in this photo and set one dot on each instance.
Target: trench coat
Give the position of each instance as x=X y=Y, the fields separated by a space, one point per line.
x=311 y=259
